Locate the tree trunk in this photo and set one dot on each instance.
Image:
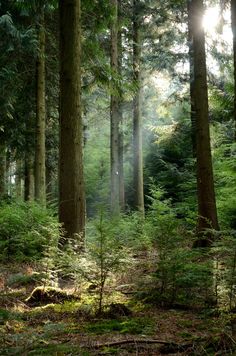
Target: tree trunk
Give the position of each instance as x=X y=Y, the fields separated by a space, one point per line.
x=191 y=77
x=29 y=178
x=40 y=180
x=233 y=25
x=71 y=178
x=115 y=118
x=2 y=171
x=207 y=213
x=137 y=119
x=18 y=179
x=120 y=105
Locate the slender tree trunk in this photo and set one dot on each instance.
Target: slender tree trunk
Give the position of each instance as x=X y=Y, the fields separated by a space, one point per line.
x=40 y=180
x=18 y=178
x=49 y=183
x=137 y=119
x=29 y=178
x=71 y=178
x=191 y=77
x=207 y=213
x=120 y=105
x=2 y=171
x=233 y=25
x=115 y=118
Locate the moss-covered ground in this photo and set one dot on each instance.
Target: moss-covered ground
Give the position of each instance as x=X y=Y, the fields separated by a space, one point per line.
x=73 y=328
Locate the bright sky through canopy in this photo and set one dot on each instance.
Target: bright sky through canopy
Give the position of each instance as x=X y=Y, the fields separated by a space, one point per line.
x=211 y=21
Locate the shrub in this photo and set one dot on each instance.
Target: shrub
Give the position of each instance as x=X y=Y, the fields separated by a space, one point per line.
x=26 y=230
x=181 y=274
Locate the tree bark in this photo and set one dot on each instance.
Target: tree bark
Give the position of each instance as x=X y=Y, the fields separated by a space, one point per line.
x=191 y=77
x=120 y=105
x=207 y=213
x=71 y=178
x=2 y=171
x=115 y=118
x=233 y=26
x=18 y=178
x=137 y=119
x=29 y=178
x=40 y=180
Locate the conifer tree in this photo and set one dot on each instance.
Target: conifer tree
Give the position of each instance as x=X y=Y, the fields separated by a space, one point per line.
x=207 y=213
x=137 y=119
x=71 y=179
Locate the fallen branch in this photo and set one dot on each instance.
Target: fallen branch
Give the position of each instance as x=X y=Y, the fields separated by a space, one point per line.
x=143 y=341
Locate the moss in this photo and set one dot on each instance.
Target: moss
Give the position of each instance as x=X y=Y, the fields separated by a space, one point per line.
x=124 y=326
x=48 y=295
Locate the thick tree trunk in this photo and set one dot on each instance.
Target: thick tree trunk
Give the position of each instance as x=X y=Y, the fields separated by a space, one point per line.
x=2 y=171
x=233 y=25
x=71 y=179
x=207 y=213
x=40 y=180
x=115 y=118
x=137 y=119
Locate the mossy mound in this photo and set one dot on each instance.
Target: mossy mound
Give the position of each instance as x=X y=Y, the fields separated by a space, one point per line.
x=117 y=310
x=49 y=295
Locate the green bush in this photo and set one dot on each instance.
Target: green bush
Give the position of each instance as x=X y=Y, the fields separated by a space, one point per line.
x=181 y=274
x=25 y=231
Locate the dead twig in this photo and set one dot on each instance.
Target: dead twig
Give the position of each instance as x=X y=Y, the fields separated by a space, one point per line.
x=143 y=341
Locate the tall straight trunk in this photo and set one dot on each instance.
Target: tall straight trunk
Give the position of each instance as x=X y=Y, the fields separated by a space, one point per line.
x=207 y=213
x=71 y=178
x=233 y=26
x=2 y=171
x=121 y=165
x=40 y=180
x=115 y=117
x=137 y=119
x=49 y=183
x=29 y=178
x=18 y=178
x=120 y=105
x=191 y=77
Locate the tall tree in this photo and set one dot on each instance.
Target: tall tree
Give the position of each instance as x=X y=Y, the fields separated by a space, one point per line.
x=120 y=105
x=71 y=179
x=137 y=119
x=40 y=170
x=191 y=77
x=115 y=117
x=207 y=213
x=233 y=25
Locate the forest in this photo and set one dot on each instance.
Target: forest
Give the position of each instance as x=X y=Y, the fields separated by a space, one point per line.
x=117 y=177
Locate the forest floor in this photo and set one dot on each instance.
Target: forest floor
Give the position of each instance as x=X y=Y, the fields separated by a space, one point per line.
x=70 y=328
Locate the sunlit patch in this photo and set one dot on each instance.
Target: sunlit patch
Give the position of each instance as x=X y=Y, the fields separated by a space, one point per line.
x=211 y=20
x=218 y=24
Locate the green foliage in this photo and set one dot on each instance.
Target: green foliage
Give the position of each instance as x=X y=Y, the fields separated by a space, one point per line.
x=133 y=326
x=105 y=254
x=224 y=253
x=25 y=231
x=225 y=172
x=182 y=274
x=20 y=279
x=170 y=165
